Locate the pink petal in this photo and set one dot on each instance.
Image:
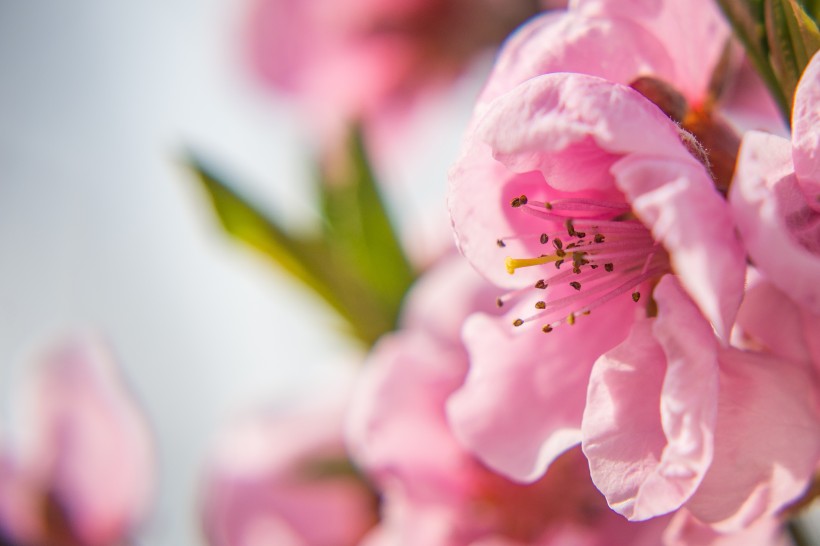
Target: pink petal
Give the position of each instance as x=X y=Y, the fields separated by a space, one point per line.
x=694 y=32
x=805 y=134
x=766 y=443
x=649 y=463
x=685 y=530
x=771 y=213
x=521 y=404
x=92 y=445
x=678 y=202
x=617 y=50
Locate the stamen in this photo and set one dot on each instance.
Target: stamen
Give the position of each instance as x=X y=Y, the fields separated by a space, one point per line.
x=636 y=296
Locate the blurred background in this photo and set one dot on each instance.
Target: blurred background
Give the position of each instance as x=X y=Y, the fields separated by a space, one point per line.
x=101 y=225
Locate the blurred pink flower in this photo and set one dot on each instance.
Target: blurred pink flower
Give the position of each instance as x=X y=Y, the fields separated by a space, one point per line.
x=359 y=60
x=434 y=492
x=776 y=198
x=284 y=479
x=84 y=475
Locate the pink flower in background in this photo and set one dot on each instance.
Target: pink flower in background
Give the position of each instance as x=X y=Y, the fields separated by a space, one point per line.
x=436 y=493
x=776 y=198
x=359 y=60
x=585 y=191
x=83 y=476
x=284 y=479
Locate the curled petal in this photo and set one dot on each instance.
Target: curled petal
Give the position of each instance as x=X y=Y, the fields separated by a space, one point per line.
x=647 y=462
x=805 y=136
x=766 y=442
x=521 y=404
x=677 y=201
x=778 y=227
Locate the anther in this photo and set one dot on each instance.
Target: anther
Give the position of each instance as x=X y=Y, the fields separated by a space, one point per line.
x=519 y=201
x=499 y=302
x=558 y=264
x=609 y=267
x=546 y=329
x=599 y=238
x=544 y=238
x=557 y=243
x=518 y=322
x=580 y=234
x=636 y=296
x=548 y=205
x=500 y=243
x=570 y=228
x=571 y=319
x=540 y=305
x=560 y=252
x=576 y=285
x=541 y=284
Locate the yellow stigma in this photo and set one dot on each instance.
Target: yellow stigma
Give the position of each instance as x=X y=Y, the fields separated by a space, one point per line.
x=514 y=263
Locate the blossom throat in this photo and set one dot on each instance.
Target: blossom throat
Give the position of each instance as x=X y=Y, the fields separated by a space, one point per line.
x=596 y=247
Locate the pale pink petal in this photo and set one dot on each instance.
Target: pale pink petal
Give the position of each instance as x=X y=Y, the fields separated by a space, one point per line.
x=685 y=530
x=678 y=202
x=649 y=462
x=617 y=50
x=776 y=224
x=573 y=128
x=694 y=31
x=766 y=443
x=805 y=134
x=770 y=322
x=521 y=404
x=90 y=445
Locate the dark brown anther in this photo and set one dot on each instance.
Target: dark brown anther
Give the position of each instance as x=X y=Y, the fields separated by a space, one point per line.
x=609 y=267
x=580 y=234
x=548 y=205
x=576 y=285
x=586 y=313
x=523 y=199
x=576 y=269
x=500 y=243
x=546 y=329
x=544 y=238
x=499 y=302
x=570 y=228
x=594 y=266
x=636 y=296
x=558 y=264
x=540 y=305
x=541 y=284
x=516 y=202
x=571 y=245
x=599 y=238
x=560 y=253
x=518 y=322
x=558 y=243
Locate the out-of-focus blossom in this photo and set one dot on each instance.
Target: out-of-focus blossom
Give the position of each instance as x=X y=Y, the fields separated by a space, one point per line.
x=284 y=479
x=776 y=198
x=83 y=475
x=359 y=60
x=436 y=493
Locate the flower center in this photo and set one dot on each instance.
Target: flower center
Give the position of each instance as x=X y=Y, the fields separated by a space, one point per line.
x=597 y=248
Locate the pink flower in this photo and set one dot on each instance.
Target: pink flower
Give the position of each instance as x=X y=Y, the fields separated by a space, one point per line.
x=84 y=475
x=434 y=492
x=285 y=479
x=776 y=198
x=735 y=438
x=592 y=196
x=357 y=60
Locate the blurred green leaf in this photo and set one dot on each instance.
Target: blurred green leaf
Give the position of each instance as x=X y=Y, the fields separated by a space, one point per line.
x=793 y=39
x=321 y=263
x=357 y=225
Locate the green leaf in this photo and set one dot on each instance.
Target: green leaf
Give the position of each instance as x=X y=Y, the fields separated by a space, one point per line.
x=318 y=262
x=793 y=39
x=747 y=18
x=358 y=226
